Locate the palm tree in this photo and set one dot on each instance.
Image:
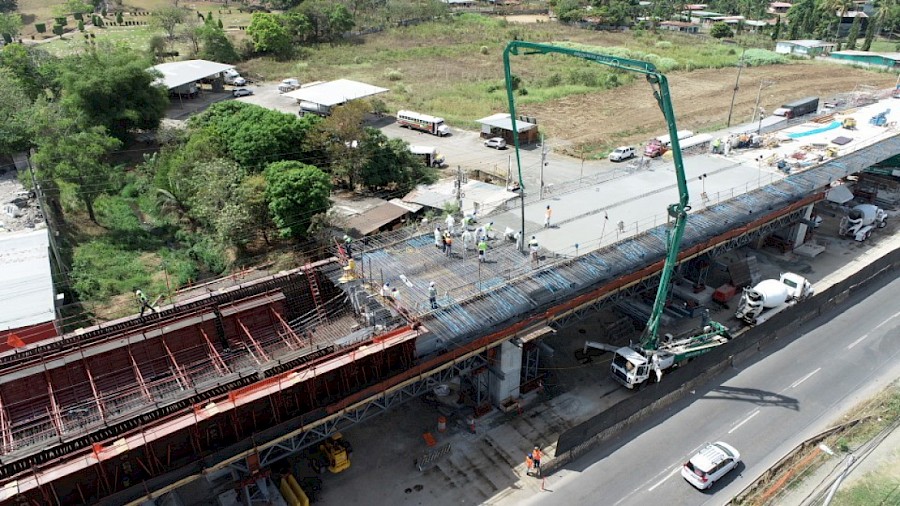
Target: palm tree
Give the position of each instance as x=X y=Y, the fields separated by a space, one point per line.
x=836 y=6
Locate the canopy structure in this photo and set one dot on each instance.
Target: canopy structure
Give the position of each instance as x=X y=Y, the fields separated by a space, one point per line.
x=179 y=73
x=334 y=93
x=504 y=122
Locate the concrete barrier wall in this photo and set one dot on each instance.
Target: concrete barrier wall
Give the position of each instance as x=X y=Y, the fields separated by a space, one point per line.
x=745 y=347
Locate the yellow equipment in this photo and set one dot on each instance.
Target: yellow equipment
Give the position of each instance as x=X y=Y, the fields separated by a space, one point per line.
x=333 y=453
x=849 y=123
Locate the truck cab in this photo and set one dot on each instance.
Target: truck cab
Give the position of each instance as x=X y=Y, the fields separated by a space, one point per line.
x=429 y=154
x=655 y=148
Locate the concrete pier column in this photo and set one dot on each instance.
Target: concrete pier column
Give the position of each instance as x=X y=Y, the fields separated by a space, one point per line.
x=798 y=233
x=510 y=367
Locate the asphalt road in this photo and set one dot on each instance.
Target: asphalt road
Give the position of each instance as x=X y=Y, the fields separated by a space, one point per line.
x=764 y=410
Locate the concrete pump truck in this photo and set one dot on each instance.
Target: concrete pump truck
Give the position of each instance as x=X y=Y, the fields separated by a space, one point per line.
x=639 y=363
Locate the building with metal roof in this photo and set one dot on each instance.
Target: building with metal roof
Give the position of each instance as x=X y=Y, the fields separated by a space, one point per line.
x=804 y=47
x=332 y=93
x=500 y=125
x=378 y=219
x=26 y=289
x=888 y=60
x=180 y=73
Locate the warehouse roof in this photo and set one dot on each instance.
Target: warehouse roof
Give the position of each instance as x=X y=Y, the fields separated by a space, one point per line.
x=26 y=284
x=179 y=73
x=335 y=92
x=504 y=121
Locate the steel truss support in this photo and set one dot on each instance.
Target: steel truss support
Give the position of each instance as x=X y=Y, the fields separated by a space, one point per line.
x=361 y=412
x=217 y=361
x=259 y=349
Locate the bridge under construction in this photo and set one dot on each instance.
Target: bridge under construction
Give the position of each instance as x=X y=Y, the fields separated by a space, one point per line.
x=243 y=376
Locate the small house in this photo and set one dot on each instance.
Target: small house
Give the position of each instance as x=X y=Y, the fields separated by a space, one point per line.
x=679 y=26
x=804 y=47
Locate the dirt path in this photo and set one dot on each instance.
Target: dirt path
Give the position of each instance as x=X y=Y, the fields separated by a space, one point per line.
x=701 y=99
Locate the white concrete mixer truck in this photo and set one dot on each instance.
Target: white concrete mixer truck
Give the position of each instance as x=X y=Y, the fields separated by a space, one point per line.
x=861 y=220
x=771 y=296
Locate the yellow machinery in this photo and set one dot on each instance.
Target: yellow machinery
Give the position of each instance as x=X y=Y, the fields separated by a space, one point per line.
x=292 y=493
x=334 y=453
x=849 y=123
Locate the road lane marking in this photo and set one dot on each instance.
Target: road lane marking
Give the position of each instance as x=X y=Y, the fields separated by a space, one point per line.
x=660 y=482
x=889 y=319
x=745 y=420
x=854 y=343
x=801 y=380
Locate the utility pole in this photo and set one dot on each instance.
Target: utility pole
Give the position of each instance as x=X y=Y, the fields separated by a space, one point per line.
x=460 y=180
x=736 y=86
x=543 y=162
x=763 y=83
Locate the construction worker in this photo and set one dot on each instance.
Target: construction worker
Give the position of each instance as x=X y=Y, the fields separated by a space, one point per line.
x=467 y=238
x=533 y=247
x=489 y=231
x=438 y=238
x=547 y=214
x=432 y=295
x=451 y=223
x=347 y=247
x=448 y=242
x=536 y=457
x=482 y=250
x=480 y=233
x=385 y=290
x=395 y=294
x=529 y=464
x=144 y=302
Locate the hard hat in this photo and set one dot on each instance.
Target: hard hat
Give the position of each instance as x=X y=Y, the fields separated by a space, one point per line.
x=431 y=284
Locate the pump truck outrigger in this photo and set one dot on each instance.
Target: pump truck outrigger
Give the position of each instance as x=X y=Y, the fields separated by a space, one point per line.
x=632 y=365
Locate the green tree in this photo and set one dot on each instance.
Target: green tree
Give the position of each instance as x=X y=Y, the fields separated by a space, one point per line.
x=268 y=34
x=15 y=114
x=35 y=68
x=569 y=11
x=720 y=31
x=253 y=192
x=119 y=18
x=296 y=192
x=94 y=85
x=217 y=201
x=833 y=12
x=328 y=20
x=803 y=16
x=168 y=19
x=870 y=34
x=9 y=5
x=776 y=32
x=11 y=24
x=255 y=136
x=79 y=159
x=298 y=26
x=388 y=164
x=854 y=33
x=216 y=46
x=339 y=135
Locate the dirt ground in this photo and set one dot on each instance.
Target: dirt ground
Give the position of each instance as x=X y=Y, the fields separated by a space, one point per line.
x=701 y=100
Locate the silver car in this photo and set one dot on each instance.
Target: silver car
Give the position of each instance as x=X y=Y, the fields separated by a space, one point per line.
x=710 y=464
x=496 y=143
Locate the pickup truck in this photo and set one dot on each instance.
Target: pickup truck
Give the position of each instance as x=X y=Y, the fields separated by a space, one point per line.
x=655 y=148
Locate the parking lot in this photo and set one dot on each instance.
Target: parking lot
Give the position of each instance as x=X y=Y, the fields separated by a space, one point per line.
x=462 y=148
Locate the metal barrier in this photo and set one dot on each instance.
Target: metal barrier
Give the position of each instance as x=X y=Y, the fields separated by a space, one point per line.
x=428 y=459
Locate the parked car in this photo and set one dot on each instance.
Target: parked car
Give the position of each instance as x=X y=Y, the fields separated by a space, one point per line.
x=710 y=464
x=622 y=153
x=496 y=143
x=239 y=81
x=242 y=92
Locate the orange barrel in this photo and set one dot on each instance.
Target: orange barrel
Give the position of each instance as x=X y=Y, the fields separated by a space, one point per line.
x=442 y=424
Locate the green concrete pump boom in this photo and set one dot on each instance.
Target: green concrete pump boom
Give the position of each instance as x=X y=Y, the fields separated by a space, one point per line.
x=659 y=83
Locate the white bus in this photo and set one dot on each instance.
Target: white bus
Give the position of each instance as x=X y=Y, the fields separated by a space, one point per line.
x=424 y=122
